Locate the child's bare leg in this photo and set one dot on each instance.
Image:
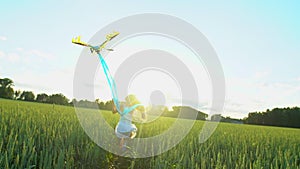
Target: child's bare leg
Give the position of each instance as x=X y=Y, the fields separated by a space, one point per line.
x=121 y=142
x=132 y=134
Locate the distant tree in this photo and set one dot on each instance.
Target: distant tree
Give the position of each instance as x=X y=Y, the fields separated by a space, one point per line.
x=108 y=105
x=73 y=102
x=27 y=96
x=42 y=98
x=202 y=116
x=216 y=117
x=17 y=94
x=101 y=105
x=87 y=104
x=168 y=113
x=6 y=90
x=58 y=99
x=7 y=93
x=231 y=120
x=6 y=82
x=185 y=112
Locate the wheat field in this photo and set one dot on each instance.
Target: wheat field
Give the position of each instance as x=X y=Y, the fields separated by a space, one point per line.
x=35 y=135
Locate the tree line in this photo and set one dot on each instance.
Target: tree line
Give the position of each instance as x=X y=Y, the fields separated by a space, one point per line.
x=284 y=117
x=7 y=92
x=184 y=112
x=280 y=117
x=219 y=117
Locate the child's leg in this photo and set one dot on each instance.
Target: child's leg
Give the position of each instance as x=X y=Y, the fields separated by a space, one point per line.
x=121 y=142
x=132 y=134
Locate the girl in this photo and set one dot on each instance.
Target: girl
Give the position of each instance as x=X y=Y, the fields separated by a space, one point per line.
x=125 y=129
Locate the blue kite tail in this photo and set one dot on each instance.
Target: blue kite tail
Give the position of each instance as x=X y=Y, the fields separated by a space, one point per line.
x=113 y=88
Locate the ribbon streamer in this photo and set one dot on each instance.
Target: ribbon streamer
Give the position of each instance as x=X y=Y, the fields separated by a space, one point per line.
x=113 y=88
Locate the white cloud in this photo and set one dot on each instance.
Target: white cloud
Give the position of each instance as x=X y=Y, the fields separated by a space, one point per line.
x=258 y=94
x=3 y=38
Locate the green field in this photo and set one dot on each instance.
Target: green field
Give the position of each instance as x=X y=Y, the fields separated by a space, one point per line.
x=37 y=135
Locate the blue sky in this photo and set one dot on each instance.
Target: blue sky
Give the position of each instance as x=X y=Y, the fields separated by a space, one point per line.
x=258 y=44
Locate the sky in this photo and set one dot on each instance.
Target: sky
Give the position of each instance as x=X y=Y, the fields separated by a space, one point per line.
x=258 y=45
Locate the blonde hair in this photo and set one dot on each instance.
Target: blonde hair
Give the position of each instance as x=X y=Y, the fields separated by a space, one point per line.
x=131 y=100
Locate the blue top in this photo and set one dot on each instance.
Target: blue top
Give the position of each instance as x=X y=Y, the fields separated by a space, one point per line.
x=125 y=124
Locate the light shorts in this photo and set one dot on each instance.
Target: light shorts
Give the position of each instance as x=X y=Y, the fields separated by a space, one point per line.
x=130 y=134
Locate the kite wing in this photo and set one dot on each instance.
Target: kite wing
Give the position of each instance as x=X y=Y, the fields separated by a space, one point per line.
x=109 y=37
x=79 y=42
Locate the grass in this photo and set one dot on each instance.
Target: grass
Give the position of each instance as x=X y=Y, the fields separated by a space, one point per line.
x=37 y=135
